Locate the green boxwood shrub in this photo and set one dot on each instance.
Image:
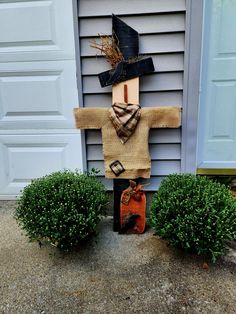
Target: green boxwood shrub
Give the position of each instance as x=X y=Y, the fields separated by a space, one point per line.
x=63 y=207
x=194 y=213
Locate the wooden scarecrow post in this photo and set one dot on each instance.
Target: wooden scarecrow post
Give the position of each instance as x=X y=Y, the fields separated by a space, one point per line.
x=125 y=127
x=126 y=92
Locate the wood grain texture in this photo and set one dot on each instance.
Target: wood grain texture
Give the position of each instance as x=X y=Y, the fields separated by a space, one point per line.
x=127 y=92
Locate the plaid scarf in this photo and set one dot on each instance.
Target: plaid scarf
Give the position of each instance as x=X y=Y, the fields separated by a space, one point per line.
x=124 y=118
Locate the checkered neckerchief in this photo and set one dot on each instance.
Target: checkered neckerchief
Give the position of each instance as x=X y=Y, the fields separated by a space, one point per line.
x=124 y=118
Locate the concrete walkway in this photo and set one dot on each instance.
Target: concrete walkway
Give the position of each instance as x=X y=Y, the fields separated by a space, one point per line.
x=114 y=274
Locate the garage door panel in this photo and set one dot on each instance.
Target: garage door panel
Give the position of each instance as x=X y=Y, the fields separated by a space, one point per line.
x=38 y=29
x=25 y=157
x=38 y=91
x=18 y=32
x=37 y=94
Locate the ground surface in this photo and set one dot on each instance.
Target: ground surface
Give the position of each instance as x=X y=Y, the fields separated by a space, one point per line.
x=116 y=274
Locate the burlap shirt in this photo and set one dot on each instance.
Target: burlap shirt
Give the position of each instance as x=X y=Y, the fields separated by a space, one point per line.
x=134 y=154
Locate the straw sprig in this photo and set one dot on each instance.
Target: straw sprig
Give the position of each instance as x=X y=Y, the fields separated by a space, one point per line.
x=109 y=48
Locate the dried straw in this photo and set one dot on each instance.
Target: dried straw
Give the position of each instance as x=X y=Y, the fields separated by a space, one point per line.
x=109 y=48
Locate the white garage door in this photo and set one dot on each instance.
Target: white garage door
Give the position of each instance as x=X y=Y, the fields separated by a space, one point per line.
x=38 y=92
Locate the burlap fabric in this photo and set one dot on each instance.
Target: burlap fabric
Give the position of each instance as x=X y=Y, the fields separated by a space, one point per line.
x=134 y=154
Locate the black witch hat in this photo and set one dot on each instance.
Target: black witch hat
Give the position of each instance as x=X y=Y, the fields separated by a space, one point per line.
x=127 y=39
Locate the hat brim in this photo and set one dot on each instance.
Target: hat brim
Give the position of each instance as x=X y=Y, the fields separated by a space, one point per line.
x=132 y=70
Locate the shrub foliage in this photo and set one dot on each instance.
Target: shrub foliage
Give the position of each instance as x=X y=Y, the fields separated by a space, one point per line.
x=194 y=213
x=63 y=208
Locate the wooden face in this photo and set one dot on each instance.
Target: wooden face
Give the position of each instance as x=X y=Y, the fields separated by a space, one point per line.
x=132 y=94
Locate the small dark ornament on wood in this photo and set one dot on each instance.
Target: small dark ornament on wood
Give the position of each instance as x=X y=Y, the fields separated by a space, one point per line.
x=129 y=223
x=117 y=167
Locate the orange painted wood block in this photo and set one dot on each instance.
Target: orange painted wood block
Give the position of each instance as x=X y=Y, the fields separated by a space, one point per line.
x=133 y=209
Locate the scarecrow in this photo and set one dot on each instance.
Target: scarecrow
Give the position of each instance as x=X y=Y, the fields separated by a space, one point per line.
x=125 y=126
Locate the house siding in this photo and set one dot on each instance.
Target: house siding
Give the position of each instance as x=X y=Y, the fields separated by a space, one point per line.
x=161 y=25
